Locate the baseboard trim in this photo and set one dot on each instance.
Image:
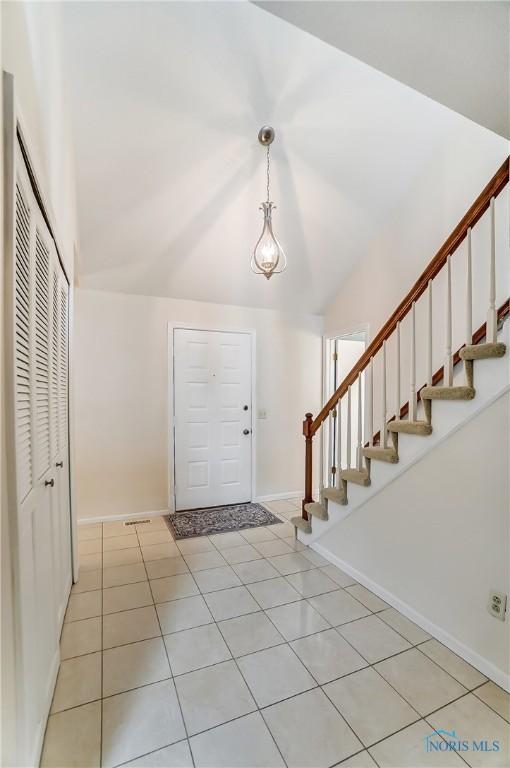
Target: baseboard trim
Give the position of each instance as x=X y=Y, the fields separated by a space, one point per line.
x=159 y=512
x=279 y=496
x=484 y=666
x=119 y=518
x=41 y=729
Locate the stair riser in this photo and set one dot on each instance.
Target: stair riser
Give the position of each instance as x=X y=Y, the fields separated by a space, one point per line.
x=422 y=430
x=316 y=509
x=483 y=351
x=374 y=454
x=447 y=393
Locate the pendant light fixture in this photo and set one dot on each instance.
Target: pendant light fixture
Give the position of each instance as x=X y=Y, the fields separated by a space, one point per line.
x=268 y=255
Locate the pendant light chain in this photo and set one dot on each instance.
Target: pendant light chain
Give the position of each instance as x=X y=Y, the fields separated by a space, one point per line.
x=268 y=168
x=268 y=256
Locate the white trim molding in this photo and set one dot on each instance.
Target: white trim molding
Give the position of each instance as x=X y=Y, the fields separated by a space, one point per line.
x=120 y=518
x=279 y=496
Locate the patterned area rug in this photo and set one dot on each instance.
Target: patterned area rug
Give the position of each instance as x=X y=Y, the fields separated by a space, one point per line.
x=209 y=520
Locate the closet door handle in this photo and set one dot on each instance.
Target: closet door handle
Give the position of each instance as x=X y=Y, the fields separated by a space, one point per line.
x=51 y=482
x=246 y=431
x=59 y=464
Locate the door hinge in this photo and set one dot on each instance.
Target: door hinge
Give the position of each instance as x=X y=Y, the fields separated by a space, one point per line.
x=335 y=356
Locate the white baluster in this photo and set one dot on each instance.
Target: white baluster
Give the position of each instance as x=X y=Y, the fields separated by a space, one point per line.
x=492 y=319
x=412 y=377
x=429 y=334
x=331 y=474
x=359 y=455
x=448 y=363
x=339 y=439
x=369 y=401
x=469 y=293
x=321 y=460
x=383 y=433
x=397 y=373
x=348 y=447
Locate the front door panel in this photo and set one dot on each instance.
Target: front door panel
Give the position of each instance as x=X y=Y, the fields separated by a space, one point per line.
x=212 y=418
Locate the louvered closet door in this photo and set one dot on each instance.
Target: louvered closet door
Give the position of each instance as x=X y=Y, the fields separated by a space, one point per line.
x=59 y=434
x=40 y=355
x=25 y=469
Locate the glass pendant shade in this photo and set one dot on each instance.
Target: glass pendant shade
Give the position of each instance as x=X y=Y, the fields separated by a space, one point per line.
x=268 y=256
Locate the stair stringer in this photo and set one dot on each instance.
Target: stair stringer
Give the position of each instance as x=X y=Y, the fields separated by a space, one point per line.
x=491 y=380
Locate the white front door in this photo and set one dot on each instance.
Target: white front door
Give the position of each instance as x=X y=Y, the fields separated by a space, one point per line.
x=212 y=418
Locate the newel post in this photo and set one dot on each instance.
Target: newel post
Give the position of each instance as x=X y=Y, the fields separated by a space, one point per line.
x=307 y=432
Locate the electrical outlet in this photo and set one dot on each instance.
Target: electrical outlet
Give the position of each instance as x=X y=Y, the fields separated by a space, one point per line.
x=497 y=604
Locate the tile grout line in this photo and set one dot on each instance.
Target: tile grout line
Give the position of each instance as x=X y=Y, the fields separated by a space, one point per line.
x=441 y=736
x=264 y=610
x=287 y=642
x=320 y=686
x=250 y=653
x=370 y=665
x=240 y=671
x=153 y=752
x=216 y=623
x=302 y=598
x=170 y=668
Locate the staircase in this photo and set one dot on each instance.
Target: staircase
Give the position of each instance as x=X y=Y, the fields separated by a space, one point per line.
x=345 y=426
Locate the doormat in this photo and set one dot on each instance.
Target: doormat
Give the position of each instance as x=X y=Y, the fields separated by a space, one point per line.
x=209 y=520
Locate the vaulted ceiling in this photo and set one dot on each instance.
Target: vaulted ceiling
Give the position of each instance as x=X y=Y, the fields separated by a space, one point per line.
x=458 y=53
x=167 y=100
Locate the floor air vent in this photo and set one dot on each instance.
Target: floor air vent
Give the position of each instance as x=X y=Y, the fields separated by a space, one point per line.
x=137 y=522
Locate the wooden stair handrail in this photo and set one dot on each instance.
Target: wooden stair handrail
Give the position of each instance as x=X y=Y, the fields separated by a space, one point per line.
x=476 y=211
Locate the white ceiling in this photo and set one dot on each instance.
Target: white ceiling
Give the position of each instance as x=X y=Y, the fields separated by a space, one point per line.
x=167 y=100
x=455 y=52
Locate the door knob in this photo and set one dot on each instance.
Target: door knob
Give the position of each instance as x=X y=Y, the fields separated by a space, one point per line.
x=51 y=482
x=59 y=464
x=245 y=407
x=246 y=431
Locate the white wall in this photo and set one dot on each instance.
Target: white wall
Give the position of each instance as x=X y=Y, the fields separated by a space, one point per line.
x=455 y=175
x=121 y=365
x=32 y=52
x=437 y=538
x=396 y=259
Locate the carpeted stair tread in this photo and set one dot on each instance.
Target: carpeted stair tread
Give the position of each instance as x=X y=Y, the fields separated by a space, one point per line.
x=335 y=494
x=316 y=509
x=410 y=427
x=381 y=454
x=303 y=525
x=360 y=477
x=447 y=393
x=482 y=351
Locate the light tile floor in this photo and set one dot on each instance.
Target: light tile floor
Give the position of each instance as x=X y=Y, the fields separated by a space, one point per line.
x=247 y=650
